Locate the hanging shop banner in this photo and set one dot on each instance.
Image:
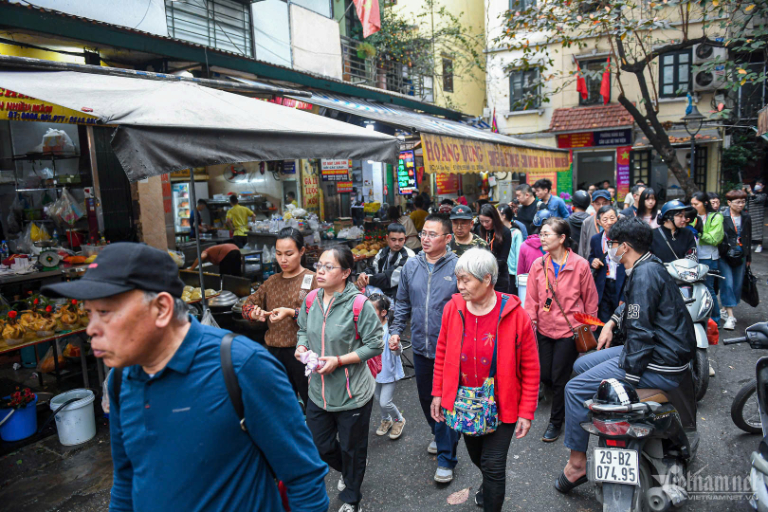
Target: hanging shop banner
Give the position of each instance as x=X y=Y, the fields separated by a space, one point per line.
x=533 y=177
x=289 y=166
x=335 y=170
x=447 y=184
x=310 y=194
x=343 y=187
x=593 y=139
x=622 y=172
x=18 y=107
x=406 y=173
x=453 y=155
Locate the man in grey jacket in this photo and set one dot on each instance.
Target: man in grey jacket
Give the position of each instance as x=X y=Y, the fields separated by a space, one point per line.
x=427 y=283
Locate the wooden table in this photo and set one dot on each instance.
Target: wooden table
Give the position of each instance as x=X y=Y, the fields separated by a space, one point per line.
x=52 y=340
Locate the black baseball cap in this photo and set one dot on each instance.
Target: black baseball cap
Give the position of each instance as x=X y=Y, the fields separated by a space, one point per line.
x=120 y=268
x=461 y=212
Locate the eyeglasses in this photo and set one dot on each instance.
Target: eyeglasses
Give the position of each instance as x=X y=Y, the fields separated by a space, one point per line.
x=431 y=236
x=548 y=235
x=328 y=267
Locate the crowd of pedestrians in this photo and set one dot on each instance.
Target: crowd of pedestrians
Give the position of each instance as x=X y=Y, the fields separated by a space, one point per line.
x=489 y=300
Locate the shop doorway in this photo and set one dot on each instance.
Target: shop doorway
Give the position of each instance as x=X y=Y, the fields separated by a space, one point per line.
x=594 y=167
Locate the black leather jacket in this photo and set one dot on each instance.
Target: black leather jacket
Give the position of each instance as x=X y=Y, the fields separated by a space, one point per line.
x=657 y=330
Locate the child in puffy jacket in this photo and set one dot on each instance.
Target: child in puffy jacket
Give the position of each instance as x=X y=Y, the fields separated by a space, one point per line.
x=391 y=371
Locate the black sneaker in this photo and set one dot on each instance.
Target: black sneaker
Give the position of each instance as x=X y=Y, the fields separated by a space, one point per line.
x=552 y=433
x=479 y=496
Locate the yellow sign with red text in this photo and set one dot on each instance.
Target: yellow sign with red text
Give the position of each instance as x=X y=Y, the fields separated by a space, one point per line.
x=453 y=155
x=15 y=106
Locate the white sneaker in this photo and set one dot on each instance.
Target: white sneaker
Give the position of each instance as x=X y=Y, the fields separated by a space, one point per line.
x=432 y=448
x=723 y=313
x=443 y=475
x=350 y=508
x=341 y=485
x=759 y=248
x=730 y=324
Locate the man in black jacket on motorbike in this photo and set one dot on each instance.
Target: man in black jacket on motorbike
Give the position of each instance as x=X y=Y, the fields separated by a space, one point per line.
x=659 y=340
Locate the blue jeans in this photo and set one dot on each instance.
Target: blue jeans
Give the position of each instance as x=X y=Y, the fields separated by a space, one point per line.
x=446 y=438
x=590 y=371
x=730 y=289
x=710 y=282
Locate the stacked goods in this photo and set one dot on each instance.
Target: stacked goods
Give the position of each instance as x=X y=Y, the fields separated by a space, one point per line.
x=368 y=249
x=191 y=294
x=13 y=332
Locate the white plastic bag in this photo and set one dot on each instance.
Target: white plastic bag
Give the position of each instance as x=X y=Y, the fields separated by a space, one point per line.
x=57 y=141
x=208 y=319
x=66 y=209
x=105 y=394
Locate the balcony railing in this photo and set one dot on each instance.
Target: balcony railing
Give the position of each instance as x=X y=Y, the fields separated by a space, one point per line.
x=383 y=72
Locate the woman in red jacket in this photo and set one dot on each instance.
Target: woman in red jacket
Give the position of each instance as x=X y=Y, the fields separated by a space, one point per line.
x=563 y=275
x=474 y=324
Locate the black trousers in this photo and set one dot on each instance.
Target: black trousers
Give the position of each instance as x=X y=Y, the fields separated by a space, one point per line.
x=489 y=453
x=608 y=303
x=556 y=357
x=349 y=452
x=232 y=264
x=240 y=241
x=512 y=289
x=294 y=369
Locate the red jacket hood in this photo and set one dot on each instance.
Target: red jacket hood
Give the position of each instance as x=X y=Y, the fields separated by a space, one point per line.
x=512 y=302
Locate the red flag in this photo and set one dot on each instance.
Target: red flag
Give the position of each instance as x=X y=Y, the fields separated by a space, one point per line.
x=605 y=85
x=494 y=126
x=581 y=83
x=368 y=12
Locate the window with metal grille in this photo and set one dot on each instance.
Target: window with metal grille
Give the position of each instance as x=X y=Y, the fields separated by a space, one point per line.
x=675 y=74
x=447 y=75
x=222 y=24
x=593 y=82
x=524 y=90
x=700 y=168
x=639 y=166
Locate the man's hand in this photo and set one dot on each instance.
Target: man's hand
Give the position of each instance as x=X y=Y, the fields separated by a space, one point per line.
x=362 y=281
x=597 y=263
x=522 y=428
x=259 y=315
x=436 y=409
x=606 y=336
x=331 y=363
x=394 y=341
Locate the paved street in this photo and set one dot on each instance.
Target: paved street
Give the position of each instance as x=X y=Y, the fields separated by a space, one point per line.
x=399 y=476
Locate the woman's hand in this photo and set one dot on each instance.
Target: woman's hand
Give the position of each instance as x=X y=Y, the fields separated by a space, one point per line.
x=596 y=263
x=522 y=428
x=331 y=363
x=259 y=315
x=300 y=350
x=280 y=314
x=606 y=335
x=437 y=410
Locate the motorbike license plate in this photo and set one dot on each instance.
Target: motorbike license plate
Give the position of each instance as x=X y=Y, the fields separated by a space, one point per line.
x=616 y=465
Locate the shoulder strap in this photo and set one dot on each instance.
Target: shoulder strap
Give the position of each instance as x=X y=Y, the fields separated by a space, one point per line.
x=117 y=381
x=230 y=379
x=504 y=299
x=554 y=296
x=311 y=296
x=661 y=231
x=357 y=307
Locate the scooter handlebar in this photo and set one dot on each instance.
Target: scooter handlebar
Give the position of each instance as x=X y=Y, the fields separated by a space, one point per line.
x=733 y=341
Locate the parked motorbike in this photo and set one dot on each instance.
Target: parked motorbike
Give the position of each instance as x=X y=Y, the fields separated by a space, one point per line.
x=757 y=337
x=746 y=410
x=646 y=441
x=690 y=276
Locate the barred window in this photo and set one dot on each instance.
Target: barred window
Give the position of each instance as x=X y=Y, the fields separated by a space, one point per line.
x=222 y=24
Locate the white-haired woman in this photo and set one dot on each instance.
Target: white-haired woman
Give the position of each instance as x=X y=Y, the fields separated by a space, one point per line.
x=486 y=347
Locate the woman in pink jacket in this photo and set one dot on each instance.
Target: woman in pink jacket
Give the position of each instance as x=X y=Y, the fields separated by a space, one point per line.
x=569 y=275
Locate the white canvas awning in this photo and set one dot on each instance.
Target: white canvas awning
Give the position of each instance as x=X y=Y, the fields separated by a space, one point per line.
x=164 y=126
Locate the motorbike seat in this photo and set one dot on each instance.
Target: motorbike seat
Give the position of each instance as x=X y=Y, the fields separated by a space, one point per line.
x=652 y=395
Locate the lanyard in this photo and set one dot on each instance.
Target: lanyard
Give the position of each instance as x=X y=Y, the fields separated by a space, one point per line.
x=490 y=244
x=546 y=268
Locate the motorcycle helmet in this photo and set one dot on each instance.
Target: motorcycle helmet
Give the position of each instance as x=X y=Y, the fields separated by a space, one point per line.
x=616 y=392
x=670 y=208
x=581 y=199
x=540 y=217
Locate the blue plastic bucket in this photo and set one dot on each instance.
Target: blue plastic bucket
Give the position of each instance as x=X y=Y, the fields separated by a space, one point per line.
x=21 y=425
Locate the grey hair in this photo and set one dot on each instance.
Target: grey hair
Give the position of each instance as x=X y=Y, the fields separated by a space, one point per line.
x=478 y=263
x=180 y=313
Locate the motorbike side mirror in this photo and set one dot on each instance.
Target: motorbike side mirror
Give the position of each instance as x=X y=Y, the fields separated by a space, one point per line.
x=757 y=335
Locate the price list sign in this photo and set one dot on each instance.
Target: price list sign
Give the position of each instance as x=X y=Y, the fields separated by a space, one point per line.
x=406 y=173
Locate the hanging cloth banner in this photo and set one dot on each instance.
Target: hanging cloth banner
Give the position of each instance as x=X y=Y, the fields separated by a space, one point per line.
x=453 y=155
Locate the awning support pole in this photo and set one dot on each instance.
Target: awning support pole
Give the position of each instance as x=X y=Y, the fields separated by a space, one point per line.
x=193 y=222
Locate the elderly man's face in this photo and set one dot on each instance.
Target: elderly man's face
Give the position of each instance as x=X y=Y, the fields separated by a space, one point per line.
x=123 y=328
x=471 y=288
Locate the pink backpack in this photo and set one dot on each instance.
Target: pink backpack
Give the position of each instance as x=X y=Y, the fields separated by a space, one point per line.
x=374 y=364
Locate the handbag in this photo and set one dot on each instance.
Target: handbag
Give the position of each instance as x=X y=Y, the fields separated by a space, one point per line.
x=582 y=336
x=731 y=251
x=475 y=412
x=749 y=289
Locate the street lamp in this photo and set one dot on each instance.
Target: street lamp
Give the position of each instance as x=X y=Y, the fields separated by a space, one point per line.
x=693 y=121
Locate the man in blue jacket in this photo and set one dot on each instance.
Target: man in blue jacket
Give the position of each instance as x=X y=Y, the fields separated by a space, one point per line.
x=609 y=276
x=543 y=190
x=427 y=283
x=177 y=440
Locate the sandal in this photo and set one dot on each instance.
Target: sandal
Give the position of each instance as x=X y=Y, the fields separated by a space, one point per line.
x=563 y=485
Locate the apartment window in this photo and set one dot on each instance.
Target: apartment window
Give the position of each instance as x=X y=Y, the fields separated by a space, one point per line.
x=640 y=166
x=322 y=7
x=700 y=168
x=222 y=24
x=524 y=90
x=593 y=82
x=675 y=74
x=521 y=5
x=447 y=75
x=427 y=89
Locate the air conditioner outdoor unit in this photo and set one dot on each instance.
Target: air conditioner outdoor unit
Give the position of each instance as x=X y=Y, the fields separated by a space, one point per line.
x=704 y=52
x=710 y=80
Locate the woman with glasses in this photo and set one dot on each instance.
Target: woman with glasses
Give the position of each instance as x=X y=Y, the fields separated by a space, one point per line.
x=560 y=285
x=499 y=240
x=341 y=392
x=277 y=302
x=737 y=225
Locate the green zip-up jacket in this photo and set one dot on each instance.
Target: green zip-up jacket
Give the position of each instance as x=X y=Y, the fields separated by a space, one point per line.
x=332 y=333
x=713 y=232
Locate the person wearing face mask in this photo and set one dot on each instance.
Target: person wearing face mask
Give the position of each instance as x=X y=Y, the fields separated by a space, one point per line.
x=672 y=240
x=659 y=342
x=609 y=276
x=756 y=207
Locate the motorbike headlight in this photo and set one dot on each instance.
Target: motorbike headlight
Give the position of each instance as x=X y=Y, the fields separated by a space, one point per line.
x=706 y=304
x=689 y=276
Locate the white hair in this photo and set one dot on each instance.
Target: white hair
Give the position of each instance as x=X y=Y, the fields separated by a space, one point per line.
x=478 y=263
x=180 y=312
